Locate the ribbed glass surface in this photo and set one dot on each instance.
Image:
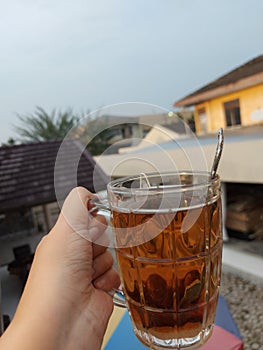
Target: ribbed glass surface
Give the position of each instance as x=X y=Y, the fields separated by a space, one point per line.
x=171 y=282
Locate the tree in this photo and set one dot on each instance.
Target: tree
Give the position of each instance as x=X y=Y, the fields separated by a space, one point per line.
x=91 y=130
x=40 y=126
x=94 y=131
x=10 y=142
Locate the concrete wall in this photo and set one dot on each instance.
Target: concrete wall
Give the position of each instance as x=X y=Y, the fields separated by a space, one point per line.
x=241 y=160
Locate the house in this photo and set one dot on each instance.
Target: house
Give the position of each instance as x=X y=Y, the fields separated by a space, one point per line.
x=28 y=196
x=240 y=169
x=160 y=133
x=235 y=99
x=240 y=163
x=108 y=133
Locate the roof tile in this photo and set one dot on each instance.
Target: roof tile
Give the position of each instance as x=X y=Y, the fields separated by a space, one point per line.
x=250 y=68
x=27 y=173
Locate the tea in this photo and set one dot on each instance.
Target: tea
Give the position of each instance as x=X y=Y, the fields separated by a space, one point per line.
x=171 y=281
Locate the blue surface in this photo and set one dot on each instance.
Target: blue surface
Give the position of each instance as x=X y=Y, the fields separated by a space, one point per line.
x=124 y=338
x=224 y=318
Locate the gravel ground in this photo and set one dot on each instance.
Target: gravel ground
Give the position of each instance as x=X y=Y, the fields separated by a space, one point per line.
x=244 y=296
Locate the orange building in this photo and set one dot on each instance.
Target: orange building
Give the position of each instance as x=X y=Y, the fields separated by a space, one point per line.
x=236 y=98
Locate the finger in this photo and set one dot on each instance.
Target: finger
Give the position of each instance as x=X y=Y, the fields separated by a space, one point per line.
x=109 y=280
x=96 y=228
x=98 y=249
x=74 y=214
x=101 y=264
x=104 y=238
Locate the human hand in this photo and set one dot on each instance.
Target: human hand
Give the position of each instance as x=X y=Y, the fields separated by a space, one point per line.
x=65 y=304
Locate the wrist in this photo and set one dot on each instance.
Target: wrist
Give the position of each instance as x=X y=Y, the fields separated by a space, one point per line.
x=43 y=328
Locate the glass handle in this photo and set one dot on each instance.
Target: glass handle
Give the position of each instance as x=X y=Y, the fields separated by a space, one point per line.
x=118 y=297
x=102 y=207
x=99 y=204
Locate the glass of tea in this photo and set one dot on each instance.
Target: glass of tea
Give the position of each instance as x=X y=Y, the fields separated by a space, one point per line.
x=168 y=244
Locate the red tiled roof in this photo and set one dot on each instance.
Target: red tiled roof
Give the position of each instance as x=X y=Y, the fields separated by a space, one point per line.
x=27 y=173
x=252 y=68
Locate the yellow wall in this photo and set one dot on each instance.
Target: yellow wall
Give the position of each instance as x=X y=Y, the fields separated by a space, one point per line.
x=250 y=100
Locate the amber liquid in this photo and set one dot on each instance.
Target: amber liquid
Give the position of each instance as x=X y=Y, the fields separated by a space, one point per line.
x=171 y=282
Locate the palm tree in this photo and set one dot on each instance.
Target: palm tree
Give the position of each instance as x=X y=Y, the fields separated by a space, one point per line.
x=40 y=126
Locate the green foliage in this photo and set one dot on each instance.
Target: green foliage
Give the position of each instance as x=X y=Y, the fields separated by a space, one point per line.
x=40 y=126
x=91 y=130
x=10 y=142
x=100 y=142
x=95 y=132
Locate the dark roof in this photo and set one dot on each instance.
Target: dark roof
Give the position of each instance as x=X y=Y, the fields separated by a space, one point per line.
x=247 y=70
x=27 y=173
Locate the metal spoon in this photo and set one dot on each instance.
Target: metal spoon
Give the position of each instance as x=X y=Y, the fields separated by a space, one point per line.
x=219 y=149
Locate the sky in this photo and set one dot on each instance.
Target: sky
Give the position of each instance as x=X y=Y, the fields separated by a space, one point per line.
x=87 y=54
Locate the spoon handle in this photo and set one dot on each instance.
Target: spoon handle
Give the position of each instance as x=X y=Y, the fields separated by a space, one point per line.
x=219 y=149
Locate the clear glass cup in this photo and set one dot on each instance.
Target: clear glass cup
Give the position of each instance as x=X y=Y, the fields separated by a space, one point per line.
x=168 y=243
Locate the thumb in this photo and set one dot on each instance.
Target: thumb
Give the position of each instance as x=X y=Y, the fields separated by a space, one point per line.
x=76 y=218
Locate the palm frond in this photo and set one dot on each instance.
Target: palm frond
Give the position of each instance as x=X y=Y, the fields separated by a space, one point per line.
x=41 y=125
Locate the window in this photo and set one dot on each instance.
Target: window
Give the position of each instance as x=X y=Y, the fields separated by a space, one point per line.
x=232 y=112
x=203 y=119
